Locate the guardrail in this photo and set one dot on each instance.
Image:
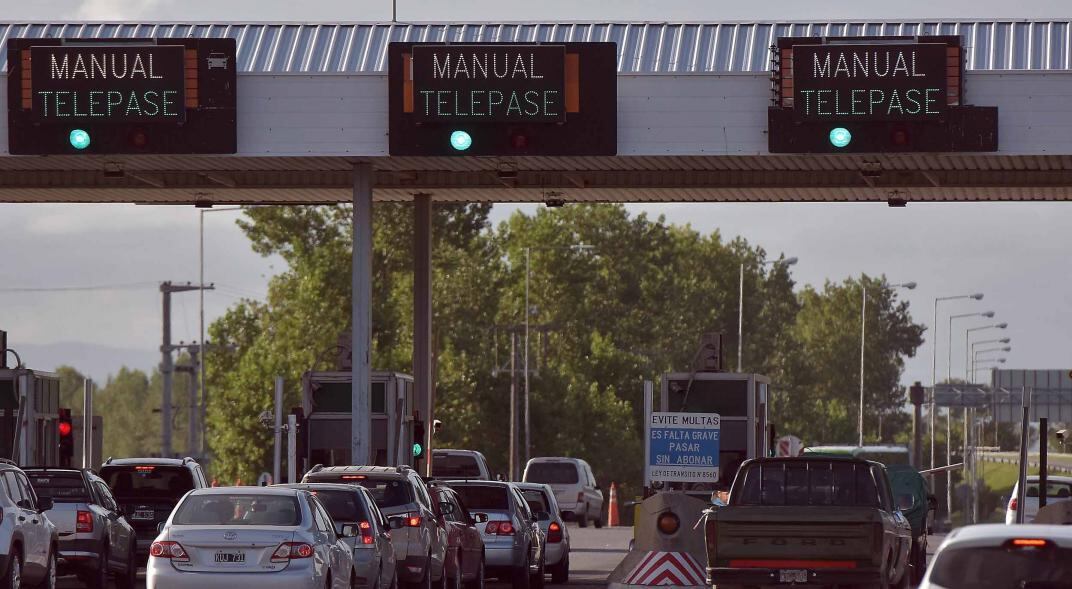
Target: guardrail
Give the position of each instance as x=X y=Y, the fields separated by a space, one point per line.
x=1056 y=468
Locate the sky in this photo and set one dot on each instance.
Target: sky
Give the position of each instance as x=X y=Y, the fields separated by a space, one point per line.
x=1016 y=254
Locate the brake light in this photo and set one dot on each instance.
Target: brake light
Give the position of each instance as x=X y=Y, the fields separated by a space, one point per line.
x=580 y=497
x=83 y=522
x=291 y=551
x=412 y=521
x=1030 y=542
x=168 y=550
x=554 y=533
x=354 y=477
x=500 y=529
x=1013 y=504
x=145 y=468
x=366 y=533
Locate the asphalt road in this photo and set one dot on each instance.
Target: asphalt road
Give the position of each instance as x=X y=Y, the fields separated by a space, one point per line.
x=594 y=554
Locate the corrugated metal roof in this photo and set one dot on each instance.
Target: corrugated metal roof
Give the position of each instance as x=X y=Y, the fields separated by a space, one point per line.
x=643 y=47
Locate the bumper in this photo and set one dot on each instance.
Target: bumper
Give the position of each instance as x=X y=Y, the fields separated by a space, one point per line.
x=78 y=554
x=411 y=569
x=554 y=552
x=569 y=510
x=769 y=577
x=503 y=557
x=161 y=575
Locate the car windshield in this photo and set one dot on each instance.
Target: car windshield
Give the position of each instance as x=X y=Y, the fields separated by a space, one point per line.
x=344 y=506
x=536 y=499
x=240 y=509
x=554 y=473
x=1002 y=568
x=477 y=497
x=61 y=487
x=454 y=466
x=149 y=481
x=810 y=482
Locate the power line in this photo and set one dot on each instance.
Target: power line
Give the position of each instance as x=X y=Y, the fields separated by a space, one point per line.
x=126 y=286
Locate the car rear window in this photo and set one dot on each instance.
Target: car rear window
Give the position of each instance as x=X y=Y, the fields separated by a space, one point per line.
x=1053 y=490
x=536 y=499
x=807 y=483
x=1000 y=568
x=553 y=473
x=477 y=497
x=344 y=506
x=387 y=491
x=61 y=487
x=240 y=509
x=148 y=481
x=456 y=466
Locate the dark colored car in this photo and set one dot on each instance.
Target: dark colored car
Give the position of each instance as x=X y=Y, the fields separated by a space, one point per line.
x=95 y=539
x=148 y=489
x=465 y=546
x=914 y=499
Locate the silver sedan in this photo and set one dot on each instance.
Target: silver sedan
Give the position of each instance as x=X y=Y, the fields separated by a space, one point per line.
x=264 y=537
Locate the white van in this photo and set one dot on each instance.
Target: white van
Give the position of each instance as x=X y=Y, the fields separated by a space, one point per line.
x=459 y=465
x=578 y=495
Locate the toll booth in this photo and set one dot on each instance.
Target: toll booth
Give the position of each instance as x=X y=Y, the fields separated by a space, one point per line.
x=326 y=405
x=741 y=401
x=30 y=399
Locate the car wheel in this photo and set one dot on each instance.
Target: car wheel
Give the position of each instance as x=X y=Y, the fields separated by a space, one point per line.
x=49 y=581
x=130 y=574
x=478 y=581
x=98 y=579
x=560 y=572
x=583 y=517
x=919 y=564
x=598 y=521
x=353 y=581
x=13 y=574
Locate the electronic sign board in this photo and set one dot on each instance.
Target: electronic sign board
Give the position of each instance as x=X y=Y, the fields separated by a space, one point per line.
x=874 y=94
x=89 y=96
x=503 y=99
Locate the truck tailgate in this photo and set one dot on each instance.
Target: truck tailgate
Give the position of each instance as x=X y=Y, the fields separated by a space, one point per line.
x=63 y=516
x=748 y=536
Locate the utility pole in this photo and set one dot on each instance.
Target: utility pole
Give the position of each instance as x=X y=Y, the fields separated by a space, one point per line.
x=167 y=366
x=513 y=406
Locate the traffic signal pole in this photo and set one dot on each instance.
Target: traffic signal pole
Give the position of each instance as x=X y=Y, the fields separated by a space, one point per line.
x=87 y=424
x=167 y=364
x=422 y=320
x=361 y=316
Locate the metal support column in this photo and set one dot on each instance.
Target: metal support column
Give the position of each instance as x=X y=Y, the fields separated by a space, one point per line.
x=87 y=424
x=277 y=431
x=166 y=371
x=422 y=318
x=1021 y=487
x=513 y=406
x=361 y=317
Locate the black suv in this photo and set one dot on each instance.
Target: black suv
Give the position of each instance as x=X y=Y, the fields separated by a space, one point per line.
x=28 y=540
x=147 y=489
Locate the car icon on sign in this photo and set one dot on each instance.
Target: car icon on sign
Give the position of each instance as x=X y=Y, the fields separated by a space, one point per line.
x=217 y=61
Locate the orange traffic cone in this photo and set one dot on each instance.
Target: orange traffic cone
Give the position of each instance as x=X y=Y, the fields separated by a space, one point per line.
x=612 y=511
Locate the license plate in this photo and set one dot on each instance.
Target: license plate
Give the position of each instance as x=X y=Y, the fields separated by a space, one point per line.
x=792 y=576
x=231 y=557
x=143 y=514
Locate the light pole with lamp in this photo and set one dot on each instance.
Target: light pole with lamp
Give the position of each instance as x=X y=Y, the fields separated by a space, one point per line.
x=740 y=305
x=968 y=455
x=1003 y=340
x=863 y=341
x=934 y=359
x=976 y=360
x=967 y=348
x=949 y=411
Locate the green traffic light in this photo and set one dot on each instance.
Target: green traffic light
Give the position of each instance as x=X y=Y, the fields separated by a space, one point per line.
x=417 y=449
x=840 y=137
x=460 y=140
x=79 y=139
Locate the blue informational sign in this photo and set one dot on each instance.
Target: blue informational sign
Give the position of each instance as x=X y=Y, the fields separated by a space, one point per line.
x=683 y=447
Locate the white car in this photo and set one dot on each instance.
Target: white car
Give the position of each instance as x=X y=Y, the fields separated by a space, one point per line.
x=1058 y=488
x=579 y=496
x=263 y=537
x=995 y=556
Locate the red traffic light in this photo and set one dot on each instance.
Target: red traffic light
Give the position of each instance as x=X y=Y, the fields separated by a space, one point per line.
x=65 y=428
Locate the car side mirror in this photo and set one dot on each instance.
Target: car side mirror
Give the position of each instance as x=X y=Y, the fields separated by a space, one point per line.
x=542 y=516
x=446 y=508
x=44 y=504
x=480 y=518
x=395 y=523
x=349 y=531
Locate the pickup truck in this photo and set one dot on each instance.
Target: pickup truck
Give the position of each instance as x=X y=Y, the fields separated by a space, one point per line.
x=808 y=521
x=95 y=539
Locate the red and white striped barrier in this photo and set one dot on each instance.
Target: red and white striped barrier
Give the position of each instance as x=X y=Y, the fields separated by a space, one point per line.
x=667 y=569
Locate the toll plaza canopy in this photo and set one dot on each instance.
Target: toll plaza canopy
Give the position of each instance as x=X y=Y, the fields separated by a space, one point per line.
x=691 y=107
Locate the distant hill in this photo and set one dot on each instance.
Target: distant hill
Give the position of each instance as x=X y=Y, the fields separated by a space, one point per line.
x=95 y=361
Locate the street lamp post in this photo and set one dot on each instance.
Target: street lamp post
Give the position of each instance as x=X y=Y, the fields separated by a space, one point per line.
x=969 y=420
x=967 y=349
x=976 y=353
x=863 y=341
x=1003 y=340
x=934 y=359
x=949 y=412
x=740 y=305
